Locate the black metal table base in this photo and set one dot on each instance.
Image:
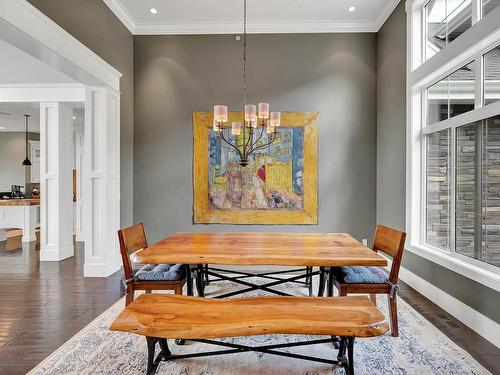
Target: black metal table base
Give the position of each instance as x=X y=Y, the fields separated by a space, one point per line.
x=304 y=278
x=344 y=356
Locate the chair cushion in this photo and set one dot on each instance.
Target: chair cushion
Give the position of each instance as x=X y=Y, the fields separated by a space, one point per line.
x=360 y=275
x=161 y=272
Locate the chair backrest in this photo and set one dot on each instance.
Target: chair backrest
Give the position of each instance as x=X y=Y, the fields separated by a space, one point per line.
x=391 y=242
x=131 y=240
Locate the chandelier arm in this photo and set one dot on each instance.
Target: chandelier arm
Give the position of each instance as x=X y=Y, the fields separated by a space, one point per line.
x=258 y=139
x=229 y=143
x=265 y=145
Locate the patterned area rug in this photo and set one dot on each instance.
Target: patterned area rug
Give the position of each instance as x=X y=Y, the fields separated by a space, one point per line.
x=420 y=349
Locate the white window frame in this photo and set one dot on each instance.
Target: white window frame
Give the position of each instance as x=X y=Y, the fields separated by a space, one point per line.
x=483 y=36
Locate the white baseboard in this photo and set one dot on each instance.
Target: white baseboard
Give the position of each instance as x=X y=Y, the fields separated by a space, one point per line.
x=55 y=255
x=473 y=319
x=101 y=269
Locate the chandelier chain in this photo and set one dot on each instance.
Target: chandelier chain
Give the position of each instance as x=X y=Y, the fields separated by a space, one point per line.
x=244 y=52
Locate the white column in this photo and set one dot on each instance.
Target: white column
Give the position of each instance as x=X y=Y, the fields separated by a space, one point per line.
x=101 y=181
x=29 y=223
x=56 y=229
x=79 y=147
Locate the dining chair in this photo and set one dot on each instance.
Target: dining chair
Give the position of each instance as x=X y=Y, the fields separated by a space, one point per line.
x=150 y=276
x=374 y=280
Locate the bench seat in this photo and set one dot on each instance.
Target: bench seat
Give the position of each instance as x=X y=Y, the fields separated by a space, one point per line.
x=159 y=317
x=174 y=316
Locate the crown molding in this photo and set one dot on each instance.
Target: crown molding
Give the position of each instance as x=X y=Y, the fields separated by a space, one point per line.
x=254 y=27
x=386 y=13
x=122 y=13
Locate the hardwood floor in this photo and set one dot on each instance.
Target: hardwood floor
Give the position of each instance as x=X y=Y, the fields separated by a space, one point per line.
x=42 y=305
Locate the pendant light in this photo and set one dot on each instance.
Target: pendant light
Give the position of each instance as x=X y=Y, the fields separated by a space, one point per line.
x=27 y=161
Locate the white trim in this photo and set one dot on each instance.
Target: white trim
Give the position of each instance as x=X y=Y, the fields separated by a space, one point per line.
x=101 y=269
x=60 y=50
x=254 y=27
x=122 y=13
x=42 y=93
x=477 y=114
x=473 y=319
x=386 y=13
x=480 y=272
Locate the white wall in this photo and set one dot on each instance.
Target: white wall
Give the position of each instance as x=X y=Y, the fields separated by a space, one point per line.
x=12 y=148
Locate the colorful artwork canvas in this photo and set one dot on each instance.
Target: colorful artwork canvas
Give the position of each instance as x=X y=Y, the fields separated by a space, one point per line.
x=278 y=186
x=273 y=180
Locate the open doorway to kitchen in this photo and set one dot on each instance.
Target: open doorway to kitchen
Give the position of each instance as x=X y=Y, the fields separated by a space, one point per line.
x=20 y=177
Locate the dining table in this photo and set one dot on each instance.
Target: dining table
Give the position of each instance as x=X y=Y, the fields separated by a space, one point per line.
x=208 y=253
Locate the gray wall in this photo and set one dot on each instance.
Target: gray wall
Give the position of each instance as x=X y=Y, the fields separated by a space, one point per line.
x=331 y=74
x=96 y=26
x=391 y=135
x=391 y=120
x=12 y=154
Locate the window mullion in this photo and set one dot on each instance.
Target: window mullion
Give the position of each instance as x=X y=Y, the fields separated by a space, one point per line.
x=479 y=81
x=476 y=11
x=453 y=180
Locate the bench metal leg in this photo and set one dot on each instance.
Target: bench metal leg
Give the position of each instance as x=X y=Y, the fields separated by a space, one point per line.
x=153 y=361
x=346 y=347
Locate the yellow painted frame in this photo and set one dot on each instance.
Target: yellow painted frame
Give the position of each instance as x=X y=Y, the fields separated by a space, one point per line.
x=202 y=122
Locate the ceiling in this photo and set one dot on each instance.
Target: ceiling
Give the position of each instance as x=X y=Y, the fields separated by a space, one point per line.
x=18 y=67
x=264 y=16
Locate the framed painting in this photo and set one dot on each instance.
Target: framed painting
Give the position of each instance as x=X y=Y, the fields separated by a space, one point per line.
x=278 y=186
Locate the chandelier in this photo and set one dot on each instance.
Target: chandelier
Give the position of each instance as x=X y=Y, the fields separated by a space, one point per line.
x=246 y=138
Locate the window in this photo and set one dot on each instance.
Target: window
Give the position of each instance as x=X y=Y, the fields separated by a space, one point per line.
x=454 y=131
x=445 y=21
x=489 y=5
x=478 y=186
x=438 y=197
x=491 y=63
x=452 y=95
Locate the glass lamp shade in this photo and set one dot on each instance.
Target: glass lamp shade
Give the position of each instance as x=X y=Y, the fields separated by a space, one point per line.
x=217 y=125
x=250 y=112
x=236 y=128
x=220 y=113
x=270 y=129
x=263 y=110
x=275 y=119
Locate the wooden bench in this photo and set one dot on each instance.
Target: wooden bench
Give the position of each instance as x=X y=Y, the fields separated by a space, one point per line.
x=160 y=317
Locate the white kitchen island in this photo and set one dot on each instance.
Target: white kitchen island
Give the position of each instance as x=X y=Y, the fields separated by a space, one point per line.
x=20 y=213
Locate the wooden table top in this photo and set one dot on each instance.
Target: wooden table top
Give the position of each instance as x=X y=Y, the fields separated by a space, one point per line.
x=172 y=316
x=277 y=249
x=19 y=202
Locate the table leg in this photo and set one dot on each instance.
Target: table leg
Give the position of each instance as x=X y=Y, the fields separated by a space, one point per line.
x=321 y=287
x=189 y=280
x=330 y=283
x=200 y=282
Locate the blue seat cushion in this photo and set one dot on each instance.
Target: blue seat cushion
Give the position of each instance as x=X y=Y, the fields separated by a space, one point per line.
x=360 y=275
x=161 y=272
